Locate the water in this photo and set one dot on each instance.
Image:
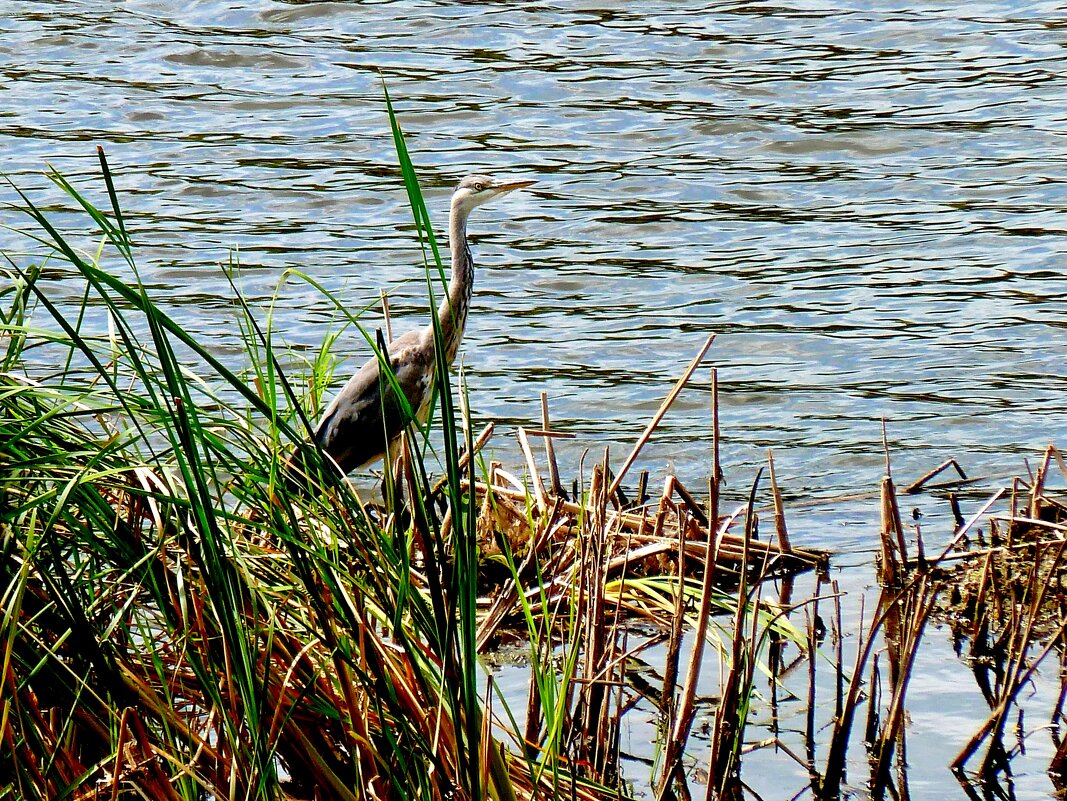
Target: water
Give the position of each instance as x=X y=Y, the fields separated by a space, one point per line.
x=864 y=202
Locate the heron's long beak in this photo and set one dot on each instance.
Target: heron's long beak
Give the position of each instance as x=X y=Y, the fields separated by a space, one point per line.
x=509 y=186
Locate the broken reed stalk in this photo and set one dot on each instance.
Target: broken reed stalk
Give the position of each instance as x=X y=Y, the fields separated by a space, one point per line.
x=971 y=522
x=894 y=554
x=550 y=451
x=535 y=477
x=641 y=493
x=922 y=481
x=839 y=651
x=775 y=651
x=593 y=693
x=658 y=416
x=874 y=703
x=386 y=320
x=690 y=502
x=811 y=643
x=1039 y=483
x=830 y=787
x=674 y=643
x=779 y=508
x=908 y=617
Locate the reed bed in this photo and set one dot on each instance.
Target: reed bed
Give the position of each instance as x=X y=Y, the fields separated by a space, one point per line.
x=999 y=585
x=185 y=615
x=182 y=619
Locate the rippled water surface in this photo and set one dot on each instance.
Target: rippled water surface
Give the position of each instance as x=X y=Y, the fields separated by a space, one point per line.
x=865 y=202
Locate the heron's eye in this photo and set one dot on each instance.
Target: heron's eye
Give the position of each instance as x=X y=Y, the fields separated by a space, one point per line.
x=479 y=187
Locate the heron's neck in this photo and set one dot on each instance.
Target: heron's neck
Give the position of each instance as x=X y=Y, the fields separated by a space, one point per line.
x=453 y=309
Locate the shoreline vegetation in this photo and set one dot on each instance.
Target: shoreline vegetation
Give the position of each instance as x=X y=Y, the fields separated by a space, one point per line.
x=180 y=621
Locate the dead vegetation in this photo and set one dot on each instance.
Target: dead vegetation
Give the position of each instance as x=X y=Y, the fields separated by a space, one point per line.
x=998 y=584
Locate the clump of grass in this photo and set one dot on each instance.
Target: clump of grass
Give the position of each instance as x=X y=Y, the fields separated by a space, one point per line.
x=181 y=620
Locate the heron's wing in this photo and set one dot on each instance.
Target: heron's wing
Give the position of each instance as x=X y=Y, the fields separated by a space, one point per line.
x=353 y=430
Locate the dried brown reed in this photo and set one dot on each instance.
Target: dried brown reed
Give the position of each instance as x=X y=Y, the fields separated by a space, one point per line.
x=599 y=552
x=1006 y=599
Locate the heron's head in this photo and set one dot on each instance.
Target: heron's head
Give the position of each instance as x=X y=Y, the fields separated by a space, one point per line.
x=474 y=190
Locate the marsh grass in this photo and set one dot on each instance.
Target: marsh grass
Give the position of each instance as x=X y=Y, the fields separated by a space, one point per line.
x=195 y=605
x=180 y=618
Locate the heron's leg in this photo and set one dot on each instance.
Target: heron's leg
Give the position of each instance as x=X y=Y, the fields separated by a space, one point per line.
x=395 y=481
x=391 y=484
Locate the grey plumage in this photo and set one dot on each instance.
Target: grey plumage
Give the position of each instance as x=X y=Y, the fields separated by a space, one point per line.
x=353 y=430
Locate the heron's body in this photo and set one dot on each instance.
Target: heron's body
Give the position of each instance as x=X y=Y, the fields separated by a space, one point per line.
x=358 y=426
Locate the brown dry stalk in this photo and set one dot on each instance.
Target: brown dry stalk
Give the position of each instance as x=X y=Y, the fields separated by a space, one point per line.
x=550 y=451
x=540 y=496
x=1039 y=482
x=921 y=482
x=894 y=554
x=677 y=628
x=658 y=416
x=907 y=620
x=779 y=508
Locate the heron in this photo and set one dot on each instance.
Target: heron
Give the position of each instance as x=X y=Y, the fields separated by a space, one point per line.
x=353 y=430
